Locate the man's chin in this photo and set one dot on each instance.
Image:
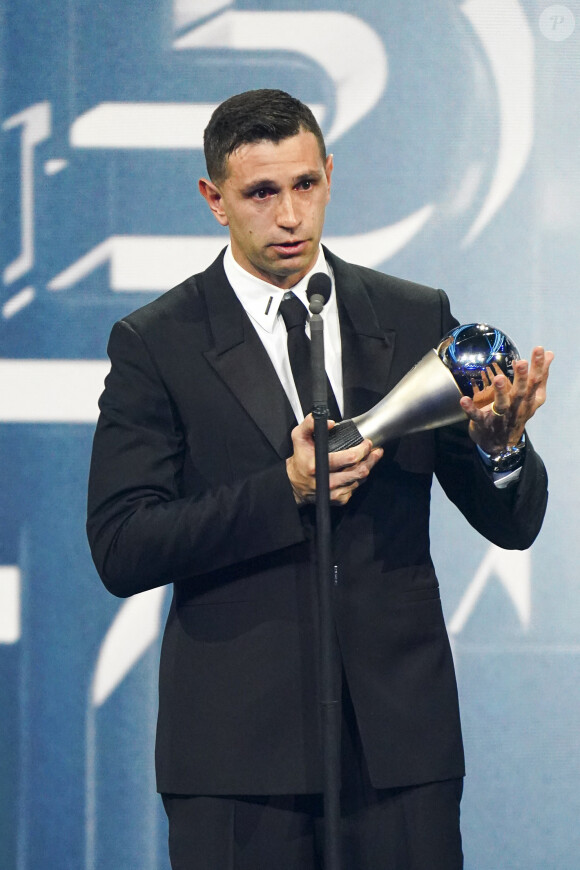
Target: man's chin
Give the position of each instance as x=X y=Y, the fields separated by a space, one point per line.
x=286 y=275
x=296 y=265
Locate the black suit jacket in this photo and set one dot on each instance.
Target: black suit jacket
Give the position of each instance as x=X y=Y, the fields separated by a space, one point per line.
x=188 y=486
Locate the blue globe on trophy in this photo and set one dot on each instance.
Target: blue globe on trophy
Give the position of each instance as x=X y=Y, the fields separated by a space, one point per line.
x=474 y=353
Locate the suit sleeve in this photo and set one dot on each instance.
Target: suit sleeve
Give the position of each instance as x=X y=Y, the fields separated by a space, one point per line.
x=512 y=517
x=143 y=532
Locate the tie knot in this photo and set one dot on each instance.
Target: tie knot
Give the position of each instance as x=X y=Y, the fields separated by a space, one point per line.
x=293 y=312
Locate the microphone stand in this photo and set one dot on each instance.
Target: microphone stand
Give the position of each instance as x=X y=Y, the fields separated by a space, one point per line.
x=330 y=673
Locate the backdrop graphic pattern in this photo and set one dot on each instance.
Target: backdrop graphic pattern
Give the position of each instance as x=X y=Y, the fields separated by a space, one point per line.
x=455 y=128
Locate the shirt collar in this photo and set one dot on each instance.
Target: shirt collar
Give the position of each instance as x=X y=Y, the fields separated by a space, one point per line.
x=262 y=300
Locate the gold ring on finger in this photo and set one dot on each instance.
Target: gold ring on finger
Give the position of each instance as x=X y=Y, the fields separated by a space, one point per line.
x=497 y=413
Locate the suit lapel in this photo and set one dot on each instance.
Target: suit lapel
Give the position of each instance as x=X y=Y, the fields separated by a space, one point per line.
x=240 y=359
x=367 y=347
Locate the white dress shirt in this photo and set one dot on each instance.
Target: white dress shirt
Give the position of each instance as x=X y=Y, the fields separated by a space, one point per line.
x=261 y=302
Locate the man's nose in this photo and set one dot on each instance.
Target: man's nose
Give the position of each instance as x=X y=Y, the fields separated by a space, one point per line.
x=286 y=212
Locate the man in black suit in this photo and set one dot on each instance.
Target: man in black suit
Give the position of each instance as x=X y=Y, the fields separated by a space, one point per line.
x=203 y=476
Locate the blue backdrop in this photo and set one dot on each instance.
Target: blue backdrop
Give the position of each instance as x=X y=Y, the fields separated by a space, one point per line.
x=455 y=129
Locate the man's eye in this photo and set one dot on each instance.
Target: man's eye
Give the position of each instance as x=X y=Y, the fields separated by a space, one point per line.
x=262 y=193
x=305 y=185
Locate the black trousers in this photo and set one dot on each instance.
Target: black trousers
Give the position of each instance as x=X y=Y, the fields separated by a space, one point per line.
x=414 y=828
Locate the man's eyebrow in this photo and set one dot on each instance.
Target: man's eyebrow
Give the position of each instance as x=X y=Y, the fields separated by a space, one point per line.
x=309 y=175
x=259 y=183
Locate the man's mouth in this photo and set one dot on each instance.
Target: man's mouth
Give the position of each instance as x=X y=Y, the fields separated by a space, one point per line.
x=294 y=247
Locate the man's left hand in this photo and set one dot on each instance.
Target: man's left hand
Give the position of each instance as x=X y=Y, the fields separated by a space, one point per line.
x=500 y=424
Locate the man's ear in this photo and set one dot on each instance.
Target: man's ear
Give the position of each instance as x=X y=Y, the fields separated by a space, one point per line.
x=329 y=166
x=214 y=199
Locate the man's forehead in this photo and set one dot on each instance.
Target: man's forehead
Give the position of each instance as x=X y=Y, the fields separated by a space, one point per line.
x=286 y=154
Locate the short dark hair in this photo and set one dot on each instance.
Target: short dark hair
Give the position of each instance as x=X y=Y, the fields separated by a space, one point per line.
x=254 y=116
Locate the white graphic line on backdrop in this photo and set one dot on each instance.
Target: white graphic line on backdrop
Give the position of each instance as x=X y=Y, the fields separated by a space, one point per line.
x=513 y=570
x=51 y=391
x=135 y=126
x=134 y=629
x=10 y=583
x=187 y=12
x=155 y=263
x=505 y=34
x=347 y=49
x=17 y=302
x=35 y=124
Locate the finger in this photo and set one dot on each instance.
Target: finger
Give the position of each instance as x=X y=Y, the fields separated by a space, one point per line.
x=374 y=456
x=354 y=475
x=491 y=372
x=502 y=390
x=340 y=485
x=341 y=497
x=341 y=494
x=530 y=379
x=349 y=457
x=537 y=373
x=541 y=361
x=521 y=373
x=548 y=359
x=528 y=391
x=348 y=478
x=483 y=394
x=304 y=431
x=540 y=369
x=471 y=409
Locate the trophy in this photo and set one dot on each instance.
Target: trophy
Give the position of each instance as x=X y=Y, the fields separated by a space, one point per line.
x=463 y=364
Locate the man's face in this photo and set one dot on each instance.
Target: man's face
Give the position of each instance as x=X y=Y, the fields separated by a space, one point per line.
x=273 y=200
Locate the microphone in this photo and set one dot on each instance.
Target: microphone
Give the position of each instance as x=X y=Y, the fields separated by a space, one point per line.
x=318 y=291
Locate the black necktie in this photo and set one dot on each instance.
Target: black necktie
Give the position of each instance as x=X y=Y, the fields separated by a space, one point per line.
x=294 y=314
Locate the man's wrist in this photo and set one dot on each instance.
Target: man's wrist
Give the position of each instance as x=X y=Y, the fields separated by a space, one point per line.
x=507 y=460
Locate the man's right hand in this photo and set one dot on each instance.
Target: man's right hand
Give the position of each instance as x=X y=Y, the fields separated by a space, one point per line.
x=348 y=468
